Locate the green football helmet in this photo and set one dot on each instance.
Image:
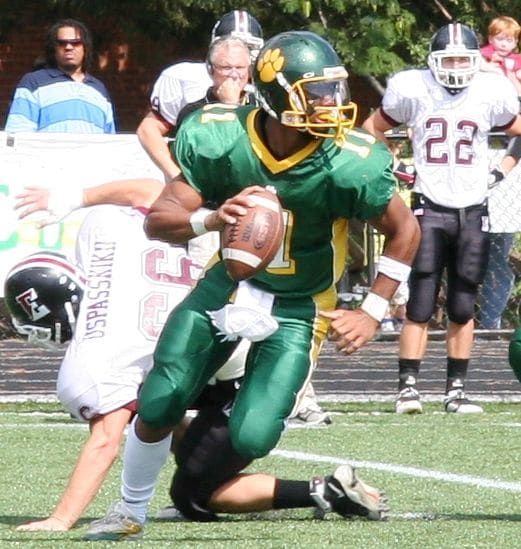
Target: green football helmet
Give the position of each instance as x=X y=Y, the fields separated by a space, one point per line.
x=300 y=81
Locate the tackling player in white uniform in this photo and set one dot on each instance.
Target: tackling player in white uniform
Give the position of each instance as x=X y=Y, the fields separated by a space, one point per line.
x=132 y=284
x=121 y=322
x=450 y=108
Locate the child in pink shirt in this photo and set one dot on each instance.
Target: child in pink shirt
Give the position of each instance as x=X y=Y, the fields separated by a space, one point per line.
x=498 y=54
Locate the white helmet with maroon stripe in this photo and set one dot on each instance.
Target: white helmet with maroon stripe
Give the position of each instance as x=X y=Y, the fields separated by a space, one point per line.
x=240 y=24
x=42 y=293
x=454 y=56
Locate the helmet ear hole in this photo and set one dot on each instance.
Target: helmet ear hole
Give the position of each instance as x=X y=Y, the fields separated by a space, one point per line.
x=42 y=294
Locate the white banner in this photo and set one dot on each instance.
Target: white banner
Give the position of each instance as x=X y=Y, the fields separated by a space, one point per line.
x=58 y=160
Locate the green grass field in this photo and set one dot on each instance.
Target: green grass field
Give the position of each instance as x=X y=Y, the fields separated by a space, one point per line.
x=451 y=481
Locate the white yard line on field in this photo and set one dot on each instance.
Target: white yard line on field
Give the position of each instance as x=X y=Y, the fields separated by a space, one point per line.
x=404 y=470
x=318 y=458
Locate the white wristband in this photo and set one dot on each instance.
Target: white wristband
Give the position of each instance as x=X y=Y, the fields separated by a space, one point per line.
x=197 y=221
x=393 y=269
x=375 y=306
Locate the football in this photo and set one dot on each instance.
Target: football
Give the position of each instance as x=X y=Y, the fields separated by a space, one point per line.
x=248 y=246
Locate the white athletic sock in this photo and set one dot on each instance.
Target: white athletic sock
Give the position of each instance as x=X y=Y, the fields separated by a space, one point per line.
x=142 y=462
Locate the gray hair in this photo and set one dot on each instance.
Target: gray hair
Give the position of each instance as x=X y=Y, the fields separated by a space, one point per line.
x=220 y=43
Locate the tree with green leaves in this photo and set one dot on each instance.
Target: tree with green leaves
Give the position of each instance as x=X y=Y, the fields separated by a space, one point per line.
x=374 y=37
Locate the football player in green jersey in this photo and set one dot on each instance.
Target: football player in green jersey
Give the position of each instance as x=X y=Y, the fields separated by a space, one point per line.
x=302 y=144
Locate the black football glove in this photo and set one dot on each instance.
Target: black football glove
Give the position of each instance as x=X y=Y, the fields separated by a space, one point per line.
x=405 y=173
x=495 y=177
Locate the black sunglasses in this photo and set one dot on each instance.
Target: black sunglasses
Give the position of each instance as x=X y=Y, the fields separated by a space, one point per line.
x=69 y=42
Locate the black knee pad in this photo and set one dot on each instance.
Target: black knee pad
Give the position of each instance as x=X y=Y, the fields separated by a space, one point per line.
x=461 y=314
x=205 y=460
x=424 y=289
x=461 y=300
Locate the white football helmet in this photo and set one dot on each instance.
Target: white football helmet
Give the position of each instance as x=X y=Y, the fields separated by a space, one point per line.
x=240 y=24
x=454 y=41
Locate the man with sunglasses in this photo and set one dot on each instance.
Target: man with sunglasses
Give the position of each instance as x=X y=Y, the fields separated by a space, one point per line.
x=62 y=96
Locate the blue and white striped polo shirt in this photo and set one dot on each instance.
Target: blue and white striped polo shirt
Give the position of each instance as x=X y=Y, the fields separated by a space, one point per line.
x=49 y=100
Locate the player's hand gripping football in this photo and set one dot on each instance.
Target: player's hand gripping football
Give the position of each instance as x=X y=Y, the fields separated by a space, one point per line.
x=350 y=330
x=231 y=209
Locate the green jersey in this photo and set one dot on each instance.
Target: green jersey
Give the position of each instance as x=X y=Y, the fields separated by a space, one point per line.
x=320 y=187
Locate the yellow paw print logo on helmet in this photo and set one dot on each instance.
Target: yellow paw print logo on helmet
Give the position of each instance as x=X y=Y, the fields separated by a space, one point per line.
x=270 y=64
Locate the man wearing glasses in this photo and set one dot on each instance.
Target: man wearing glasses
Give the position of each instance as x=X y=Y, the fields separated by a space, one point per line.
x=62 y=96
x=184 y=83
x=228 y=64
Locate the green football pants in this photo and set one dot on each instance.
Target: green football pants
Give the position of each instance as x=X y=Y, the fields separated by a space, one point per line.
x=190 y=351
